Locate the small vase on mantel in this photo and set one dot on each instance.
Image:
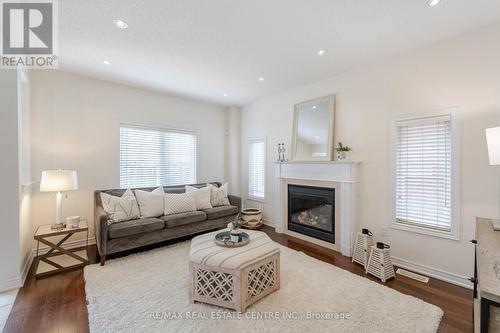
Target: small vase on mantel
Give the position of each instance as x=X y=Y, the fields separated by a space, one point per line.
x=343 y=152
x=342 y=156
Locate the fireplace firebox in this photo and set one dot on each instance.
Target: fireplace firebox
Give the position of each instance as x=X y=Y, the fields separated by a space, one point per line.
x=311 y=211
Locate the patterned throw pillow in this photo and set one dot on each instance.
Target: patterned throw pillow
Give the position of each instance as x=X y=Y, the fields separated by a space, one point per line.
x=122 y=208
x=218 y=196
x=176 y=203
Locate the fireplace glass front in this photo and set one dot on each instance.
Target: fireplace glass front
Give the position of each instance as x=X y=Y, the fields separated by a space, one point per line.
x=311 y=211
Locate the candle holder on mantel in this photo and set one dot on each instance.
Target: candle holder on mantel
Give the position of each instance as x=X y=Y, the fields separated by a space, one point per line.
x=281 y=153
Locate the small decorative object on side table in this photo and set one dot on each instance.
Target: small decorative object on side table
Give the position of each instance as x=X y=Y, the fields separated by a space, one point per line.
x=58 y=259
x=342 y=152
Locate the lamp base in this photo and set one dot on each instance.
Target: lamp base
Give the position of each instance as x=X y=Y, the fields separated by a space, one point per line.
x=58 y=226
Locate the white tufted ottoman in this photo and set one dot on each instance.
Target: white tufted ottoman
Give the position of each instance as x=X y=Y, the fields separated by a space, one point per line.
x=233 y=277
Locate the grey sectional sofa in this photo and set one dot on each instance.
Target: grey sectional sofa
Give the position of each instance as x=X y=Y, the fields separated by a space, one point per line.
x=132 y=234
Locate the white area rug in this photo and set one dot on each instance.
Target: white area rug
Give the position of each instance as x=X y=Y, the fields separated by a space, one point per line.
x=148 y=292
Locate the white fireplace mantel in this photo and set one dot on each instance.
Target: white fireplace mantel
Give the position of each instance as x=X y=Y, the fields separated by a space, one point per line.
x=344 y=174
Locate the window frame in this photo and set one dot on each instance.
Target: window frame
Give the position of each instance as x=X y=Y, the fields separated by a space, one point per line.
x=454 y=233
x=249 y=142
x=154 y=128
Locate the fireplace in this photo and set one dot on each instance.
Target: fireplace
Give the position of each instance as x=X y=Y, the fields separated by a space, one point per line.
x=311 y=211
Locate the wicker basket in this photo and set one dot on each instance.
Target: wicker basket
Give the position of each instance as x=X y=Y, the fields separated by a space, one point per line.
x=251 y=216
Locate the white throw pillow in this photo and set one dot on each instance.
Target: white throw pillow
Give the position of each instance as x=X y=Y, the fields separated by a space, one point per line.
x=219 y=195
x=201 y=196
x=150 y=203
x=176 y=203
x=122 y=208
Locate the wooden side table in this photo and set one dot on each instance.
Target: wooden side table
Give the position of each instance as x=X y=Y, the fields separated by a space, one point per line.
x=59 y=259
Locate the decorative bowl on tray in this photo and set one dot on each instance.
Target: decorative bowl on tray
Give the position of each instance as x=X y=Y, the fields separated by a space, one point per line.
x=224 y=239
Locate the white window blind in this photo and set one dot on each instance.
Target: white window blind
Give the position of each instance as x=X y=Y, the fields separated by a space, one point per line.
x=423 y=172
x=153 y=157
x=257 y=168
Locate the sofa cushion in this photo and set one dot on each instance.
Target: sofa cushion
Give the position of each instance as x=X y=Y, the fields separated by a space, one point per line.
x=176 y=220
x=221 y=211
x=175 y=203
x=123 y=208
x=150 y=203
x=134 y=227
x=218 y=196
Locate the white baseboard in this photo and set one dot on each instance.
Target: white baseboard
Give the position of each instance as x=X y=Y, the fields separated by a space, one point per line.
x=27 y=267
x=18 y=282
x=436 y=273
x=10 y=284
x=268 y=223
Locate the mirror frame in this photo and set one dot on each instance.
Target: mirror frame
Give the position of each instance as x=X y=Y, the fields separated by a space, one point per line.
x=331 y=128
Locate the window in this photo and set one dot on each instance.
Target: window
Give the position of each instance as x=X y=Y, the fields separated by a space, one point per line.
x=257 y=169
x=154 y=157
x=425 y=167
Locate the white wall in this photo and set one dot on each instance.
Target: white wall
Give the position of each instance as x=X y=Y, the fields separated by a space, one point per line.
x=75 y=125
x=16 y=231
x=462 y=72
x=233 y=144
x=9 y=178
x=24 y=123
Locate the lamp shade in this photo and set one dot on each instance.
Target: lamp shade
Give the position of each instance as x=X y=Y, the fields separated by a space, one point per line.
x=493 y=140
x=58 y=181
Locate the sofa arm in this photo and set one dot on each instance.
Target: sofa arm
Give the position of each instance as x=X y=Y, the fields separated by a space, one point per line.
x=101 y=229
x=235 y=201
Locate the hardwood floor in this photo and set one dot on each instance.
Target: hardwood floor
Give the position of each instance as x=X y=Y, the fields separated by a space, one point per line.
x=57 y=303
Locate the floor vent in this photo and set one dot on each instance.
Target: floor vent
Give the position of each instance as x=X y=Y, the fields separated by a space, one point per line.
x=412 y=275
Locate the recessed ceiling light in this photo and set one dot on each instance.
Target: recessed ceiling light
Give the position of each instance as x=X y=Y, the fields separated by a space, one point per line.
x=261 y=79
x=321 y=52
x=225 y=95
x=434 y=2
x=120 y=24
x=106 y=62
x=314 y=106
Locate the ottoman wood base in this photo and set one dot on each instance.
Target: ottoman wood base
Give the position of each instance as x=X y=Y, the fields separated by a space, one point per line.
x=234 y=288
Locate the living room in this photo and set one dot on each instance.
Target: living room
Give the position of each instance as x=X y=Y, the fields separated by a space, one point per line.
x=218 y=166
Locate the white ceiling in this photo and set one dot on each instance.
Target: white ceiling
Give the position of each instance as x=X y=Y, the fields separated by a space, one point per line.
x=205 y=48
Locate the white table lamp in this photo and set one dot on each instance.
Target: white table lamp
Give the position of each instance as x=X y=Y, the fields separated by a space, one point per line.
x=59 y=181
x=493 y=140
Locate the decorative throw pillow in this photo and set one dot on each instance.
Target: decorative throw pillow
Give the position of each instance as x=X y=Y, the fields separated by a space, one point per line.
x=176 y=203
x=201 y=196
x=122 y=208
x=150 y=203
x=218 y=195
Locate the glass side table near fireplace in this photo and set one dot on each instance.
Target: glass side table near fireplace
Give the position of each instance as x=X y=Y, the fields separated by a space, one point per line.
x=311 y=211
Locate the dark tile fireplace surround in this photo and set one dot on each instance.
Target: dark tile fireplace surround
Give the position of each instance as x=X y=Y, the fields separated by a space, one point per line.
x=311 y=211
